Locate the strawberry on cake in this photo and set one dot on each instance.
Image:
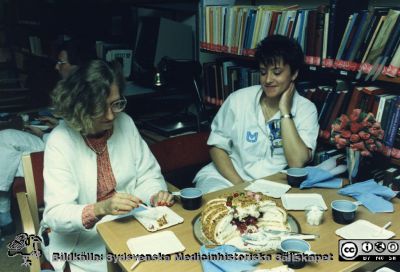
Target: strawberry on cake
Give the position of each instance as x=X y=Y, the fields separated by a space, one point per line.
x=237 y=214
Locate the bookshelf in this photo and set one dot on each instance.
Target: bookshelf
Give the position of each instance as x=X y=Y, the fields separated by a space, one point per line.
x=354 y=54
x=395 y=162
x=34 y=53
x=384 y=78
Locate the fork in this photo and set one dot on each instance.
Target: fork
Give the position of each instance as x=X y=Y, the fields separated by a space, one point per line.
x=153 y=212
x=380 y=231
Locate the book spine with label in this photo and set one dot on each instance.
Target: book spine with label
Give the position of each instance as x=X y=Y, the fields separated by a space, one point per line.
x=393 y=125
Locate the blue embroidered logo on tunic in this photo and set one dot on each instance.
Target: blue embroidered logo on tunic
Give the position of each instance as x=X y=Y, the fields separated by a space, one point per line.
x=251 y=137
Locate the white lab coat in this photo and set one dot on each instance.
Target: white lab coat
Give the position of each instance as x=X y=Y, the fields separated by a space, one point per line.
x=70 y=173
x=13 y=144
x=239 y=128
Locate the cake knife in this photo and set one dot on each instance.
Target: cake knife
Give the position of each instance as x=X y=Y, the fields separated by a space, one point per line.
x=290 y=232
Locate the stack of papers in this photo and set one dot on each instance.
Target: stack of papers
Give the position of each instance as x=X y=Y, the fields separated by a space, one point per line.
x=269 y=188
x=363 y=229
x=301 y=201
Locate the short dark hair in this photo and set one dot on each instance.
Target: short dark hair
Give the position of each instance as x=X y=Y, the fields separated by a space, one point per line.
x=81 y=97
x=277 y=47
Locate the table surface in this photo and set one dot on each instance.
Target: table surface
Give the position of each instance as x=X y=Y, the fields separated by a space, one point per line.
x=132 y=89
x=116 y=233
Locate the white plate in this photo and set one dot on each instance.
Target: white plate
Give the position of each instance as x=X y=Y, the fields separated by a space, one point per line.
x=41 y=127
x=385 y=269
x=301 y=201
x=146 y=218
x=363 y=229
x=164 y=242
x=269 y=188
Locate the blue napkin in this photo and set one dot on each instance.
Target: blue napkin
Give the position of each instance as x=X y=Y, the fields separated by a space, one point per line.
x=320 y=178
x=211 y=265
x=46 y=112
x=372 y=195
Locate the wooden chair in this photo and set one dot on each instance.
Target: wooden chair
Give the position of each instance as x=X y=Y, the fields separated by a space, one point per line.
x=181 y=157
x=31 y=201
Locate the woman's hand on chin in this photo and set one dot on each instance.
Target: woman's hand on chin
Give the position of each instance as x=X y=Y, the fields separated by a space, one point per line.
x=285 y=103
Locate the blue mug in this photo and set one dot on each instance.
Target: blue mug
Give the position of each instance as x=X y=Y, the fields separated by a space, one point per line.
x=292 y=247
x=295 y=176
x=344 y=211
x=191 y=198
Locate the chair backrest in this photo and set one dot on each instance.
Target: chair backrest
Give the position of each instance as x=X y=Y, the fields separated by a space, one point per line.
x=34 y=183
x=181 y=157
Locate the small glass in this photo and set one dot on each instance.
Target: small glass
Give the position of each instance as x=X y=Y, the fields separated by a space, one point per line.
x=25 y=118
x=314 y=214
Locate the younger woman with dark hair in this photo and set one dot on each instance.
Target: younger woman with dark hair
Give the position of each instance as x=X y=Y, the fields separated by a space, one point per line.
x=262 y=129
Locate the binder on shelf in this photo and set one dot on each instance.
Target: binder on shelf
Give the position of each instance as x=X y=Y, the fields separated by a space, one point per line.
x=311 y=35
x=350 y=24
x=373 y=58
x=360 y=31
x=372 y=24
x=389 y=50
x=355 y=99
x=319 y=34
x=328 y=110
x=393 y=123
x=339 y=9
x=387 y=114
x=381 y=106
x=393 y=69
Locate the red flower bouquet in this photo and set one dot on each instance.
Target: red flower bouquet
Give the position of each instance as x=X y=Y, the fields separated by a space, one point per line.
x=359 y=131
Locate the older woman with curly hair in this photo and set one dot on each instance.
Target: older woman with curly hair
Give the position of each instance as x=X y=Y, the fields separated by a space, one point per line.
x=95 y=165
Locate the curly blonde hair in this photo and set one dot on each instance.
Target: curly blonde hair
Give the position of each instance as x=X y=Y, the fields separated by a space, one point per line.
x=81 y=97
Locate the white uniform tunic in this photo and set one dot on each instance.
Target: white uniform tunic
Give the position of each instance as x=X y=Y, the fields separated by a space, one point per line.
x=254 y=146
x=70 y=174
x=13 y=144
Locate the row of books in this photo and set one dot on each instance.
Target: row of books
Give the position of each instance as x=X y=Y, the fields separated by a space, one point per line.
x=224 y=77
x=371 y=42
x=344 y=35
x=331 y=100
x=237 y=29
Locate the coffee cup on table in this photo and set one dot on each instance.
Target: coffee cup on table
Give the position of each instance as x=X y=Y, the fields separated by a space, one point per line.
x=295 y=176
x=191 y=198
x=291 y=251
x=343 y=211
